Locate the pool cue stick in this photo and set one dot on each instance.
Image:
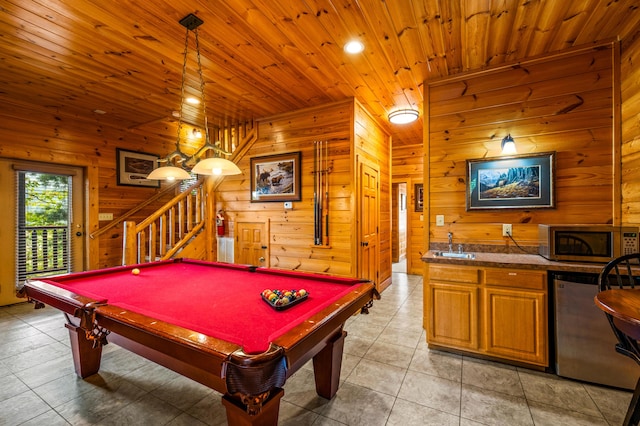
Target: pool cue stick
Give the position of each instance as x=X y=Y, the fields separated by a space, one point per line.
x=315 y=193
x=319 y=238
x=325 y=201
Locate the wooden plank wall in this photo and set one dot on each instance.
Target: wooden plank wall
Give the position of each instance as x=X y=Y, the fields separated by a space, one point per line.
x=562 y=103
x=291 y=231
x=374 y=143
x=31 y=132
x=630 y=95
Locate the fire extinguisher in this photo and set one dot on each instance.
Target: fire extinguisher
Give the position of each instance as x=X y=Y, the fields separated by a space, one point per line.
x=220 y=223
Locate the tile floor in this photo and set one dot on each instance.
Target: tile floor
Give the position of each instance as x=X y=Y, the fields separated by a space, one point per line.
x=389 y=377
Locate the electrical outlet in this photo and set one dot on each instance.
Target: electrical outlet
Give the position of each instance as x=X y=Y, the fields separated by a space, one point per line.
x=506 y=230
x=439 y=220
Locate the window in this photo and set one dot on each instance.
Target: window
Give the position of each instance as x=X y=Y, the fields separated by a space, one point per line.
x=44 y=224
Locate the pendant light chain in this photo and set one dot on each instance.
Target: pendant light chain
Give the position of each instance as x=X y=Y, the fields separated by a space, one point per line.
x=207 y=140
x=184 y=80
x=203 y=166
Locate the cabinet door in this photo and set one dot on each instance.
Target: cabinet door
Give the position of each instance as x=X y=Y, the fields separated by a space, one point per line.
x=516 y=324
x=453 y=315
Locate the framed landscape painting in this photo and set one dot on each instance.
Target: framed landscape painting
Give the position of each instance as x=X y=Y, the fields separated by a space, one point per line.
x=276 y=178
x=521 y=182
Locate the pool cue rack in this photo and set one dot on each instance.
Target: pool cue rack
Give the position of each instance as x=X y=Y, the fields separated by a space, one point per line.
x=321 y=170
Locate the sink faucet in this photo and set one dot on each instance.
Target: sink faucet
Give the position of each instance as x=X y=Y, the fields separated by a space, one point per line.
x=450 y=242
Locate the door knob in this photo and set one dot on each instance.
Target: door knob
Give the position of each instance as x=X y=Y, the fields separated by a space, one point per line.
x=261 y=259
x=78 y=234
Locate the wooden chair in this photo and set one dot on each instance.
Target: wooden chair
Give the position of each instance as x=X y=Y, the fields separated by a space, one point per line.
x=619 y=273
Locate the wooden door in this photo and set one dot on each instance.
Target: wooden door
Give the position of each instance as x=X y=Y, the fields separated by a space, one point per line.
x=62 y=226
x=251 y=244
x=369 y=257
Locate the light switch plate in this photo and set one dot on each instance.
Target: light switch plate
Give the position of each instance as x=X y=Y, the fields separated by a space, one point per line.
x=288 y=205
x=439 y=220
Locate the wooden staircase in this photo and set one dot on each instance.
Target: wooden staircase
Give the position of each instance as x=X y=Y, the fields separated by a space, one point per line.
x=182 y=227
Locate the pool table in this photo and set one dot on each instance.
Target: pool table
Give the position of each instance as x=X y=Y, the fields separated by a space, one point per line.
x=209 y=322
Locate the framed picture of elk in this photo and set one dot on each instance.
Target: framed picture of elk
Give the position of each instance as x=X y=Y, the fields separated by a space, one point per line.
x=276 y=178
x=133 y=167
x=518 y=182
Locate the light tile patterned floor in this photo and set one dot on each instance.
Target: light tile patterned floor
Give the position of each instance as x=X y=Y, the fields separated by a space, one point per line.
x=389 y=377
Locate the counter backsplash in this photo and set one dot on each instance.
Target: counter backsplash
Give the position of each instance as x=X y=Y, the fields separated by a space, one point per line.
x=485 y=248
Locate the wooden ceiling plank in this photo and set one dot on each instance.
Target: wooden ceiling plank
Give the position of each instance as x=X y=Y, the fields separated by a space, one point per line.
x=547 y=25
x=396 y=37
x=477 y=17
x=503 y=15
x=523 y=29
x=432 y=38
x=452 y=30
x=323 y=47
x=570 y=25
x=608 y=18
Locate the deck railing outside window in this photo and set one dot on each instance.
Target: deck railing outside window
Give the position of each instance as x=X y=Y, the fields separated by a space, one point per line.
x=46 y=249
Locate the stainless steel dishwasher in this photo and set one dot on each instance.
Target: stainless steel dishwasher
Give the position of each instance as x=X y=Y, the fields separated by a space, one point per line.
x=585 y=344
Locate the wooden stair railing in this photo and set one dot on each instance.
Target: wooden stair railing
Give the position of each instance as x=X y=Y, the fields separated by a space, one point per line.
x=136 y=209
x=170 y=228
x=165 y=232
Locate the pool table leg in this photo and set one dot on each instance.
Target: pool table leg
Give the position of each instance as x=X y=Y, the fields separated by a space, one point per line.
x=86 y=357
x=327 y=365
x=268 y=416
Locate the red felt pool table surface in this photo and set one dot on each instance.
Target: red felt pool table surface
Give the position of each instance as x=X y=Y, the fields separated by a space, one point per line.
x=218 y=300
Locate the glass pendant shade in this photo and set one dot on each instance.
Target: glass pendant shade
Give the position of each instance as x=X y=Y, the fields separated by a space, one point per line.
x=169 y=173
x=216 y=166
x=508 y=145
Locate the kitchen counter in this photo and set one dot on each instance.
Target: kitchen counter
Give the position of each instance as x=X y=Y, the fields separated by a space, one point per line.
x=511 y=260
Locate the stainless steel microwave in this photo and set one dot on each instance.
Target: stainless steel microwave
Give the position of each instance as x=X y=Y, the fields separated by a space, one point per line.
x=587 y=243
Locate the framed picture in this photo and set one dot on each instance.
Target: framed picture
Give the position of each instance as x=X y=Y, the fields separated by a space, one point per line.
x=521 y=182
x=133 y=167
x=276 y=178
x=419 y=197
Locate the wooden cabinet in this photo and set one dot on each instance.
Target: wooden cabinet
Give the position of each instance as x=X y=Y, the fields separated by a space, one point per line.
x=453 y=295
x=498 y=312
x=514 y=313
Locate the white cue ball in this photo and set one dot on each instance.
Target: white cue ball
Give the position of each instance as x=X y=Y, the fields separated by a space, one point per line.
x=135 y=271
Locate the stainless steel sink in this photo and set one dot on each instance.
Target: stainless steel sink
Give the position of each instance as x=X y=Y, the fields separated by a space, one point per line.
x=455 y=255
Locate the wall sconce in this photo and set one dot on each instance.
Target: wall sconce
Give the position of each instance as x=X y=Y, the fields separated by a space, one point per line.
x=508 y=145
x=403 y=116
x=197 y=134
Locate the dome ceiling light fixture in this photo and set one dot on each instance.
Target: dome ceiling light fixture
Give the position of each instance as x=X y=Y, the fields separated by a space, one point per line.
x=404 y=116
x=353 y=47
x=177 y=161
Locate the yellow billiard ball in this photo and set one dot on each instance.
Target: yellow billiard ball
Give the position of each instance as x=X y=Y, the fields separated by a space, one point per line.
x=135 y=271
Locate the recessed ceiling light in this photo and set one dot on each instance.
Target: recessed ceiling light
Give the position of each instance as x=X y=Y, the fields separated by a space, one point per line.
x=403 y=116
x=99 y=111
x=193 y=101
x=354 y=46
